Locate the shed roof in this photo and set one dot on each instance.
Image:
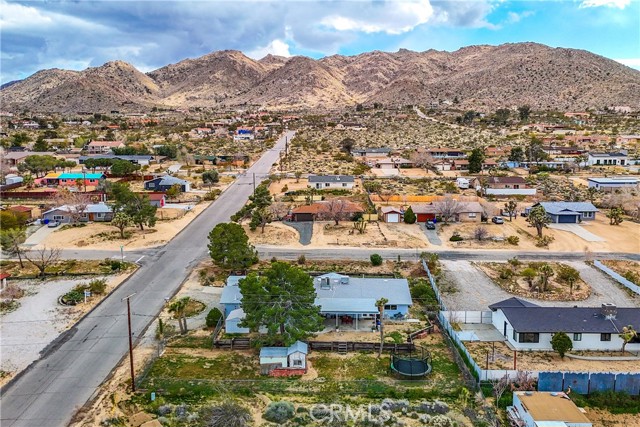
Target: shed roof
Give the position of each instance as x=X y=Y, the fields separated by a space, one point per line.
x=543 y=406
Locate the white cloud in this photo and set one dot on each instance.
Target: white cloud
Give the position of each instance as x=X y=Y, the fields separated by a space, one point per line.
x=276 y=47
x=514 y=18
x=630 y=62
x=620 y=4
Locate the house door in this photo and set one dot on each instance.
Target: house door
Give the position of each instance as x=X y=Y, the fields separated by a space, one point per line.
x=504 y=332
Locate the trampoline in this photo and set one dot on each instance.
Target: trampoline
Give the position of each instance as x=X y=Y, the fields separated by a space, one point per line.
x=413 y=365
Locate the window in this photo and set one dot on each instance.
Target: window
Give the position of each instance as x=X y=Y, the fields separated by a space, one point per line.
x=605 y=337
x=577 y=337
x=297 y=362
x=344 y=184
x=391 y=307
x=100 y=215
x=151 y=184
x=58 y=217
x=516 y=186
x=326 y=184
x=472 y=214
x=515 y=335
x=531 y=337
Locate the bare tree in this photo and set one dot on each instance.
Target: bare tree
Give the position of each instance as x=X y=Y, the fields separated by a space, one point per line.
x=335 y=209
x=43 y=258
x=75 y=202
x=422 y=159
x=448 y=209
x=499 y=386
x=480 y=233
x=279 y=210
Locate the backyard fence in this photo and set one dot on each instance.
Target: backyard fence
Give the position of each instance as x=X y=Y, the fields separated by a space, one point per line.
x=627 y=283
x=589 y=382
x=346 y=346
x=469 y=316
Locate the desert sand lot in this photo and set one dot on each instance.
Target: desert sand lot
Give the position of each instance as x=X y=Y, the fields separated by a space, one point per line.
x=89 y=237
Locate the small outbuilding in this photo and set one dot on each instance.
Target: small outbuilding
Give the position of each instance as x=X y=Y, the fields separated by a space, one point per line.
x=545 y=409
x=294 y=356
x=391 y=214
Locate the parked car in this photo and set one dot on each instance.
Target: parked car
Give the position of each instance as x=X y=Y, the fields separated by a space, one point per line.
x=431 y=225
x=53 y=224
x=497 y=220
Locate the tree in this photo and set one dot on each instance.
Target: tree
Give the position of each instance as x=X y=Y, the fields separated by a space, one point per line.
x=19 y=139
x=174 y=191
x=568 y=275
x=260 y=217
x=210 y=177
x=561 y=343
x=448 y=208
x=538 y=218
x=279 y=210
x=536 y=153
x=615 y=216
x=40 y=145
x=524 y=112
x=422 y=159
x=499 y=386
x=121 y=221
x=511 y=208
x=545 y=271
x=11 y=240
x=28 y=180
x=282 y=300
x=347 y=145
x=229 y=247
x=592 y=192
x=43 y=258
x=516 y=155
x=372 y=186
x=123 y=167
x=502 y=115
x=380 y=304
x=334 y=209
x=475 y=160
x=178 y=308
x=409 y=216
x=39 y=165
x=137 y=206
x=628 y=335
x=213 y=317
x=11 y=219
x=297 y=174
x=480 y=233
x=529 y=274
x=76 y=203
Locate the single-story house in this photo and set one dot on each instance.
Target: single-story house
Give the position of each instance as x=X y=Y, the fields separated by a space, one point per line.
x=103 y=147
x=294 y=356
x=546 y=409
x=14 y=158
x=321 y=182
x=165 y=182
x=391 y=214
x=338 y=296
x=143 y=160
x=99 y=212
x=446 y=153
x=321 y=211
x=568 y=212
x=612 y=184
x=608 y=159
x=466 y=211
x=527 y=326
x=371 y=152
x=506 y=186
x=73 y=179
x=26 y=211
x=393 y=163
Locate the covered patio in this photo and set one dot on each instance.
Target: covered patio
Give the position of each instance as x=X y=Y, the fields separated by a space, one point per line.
x=348 y=313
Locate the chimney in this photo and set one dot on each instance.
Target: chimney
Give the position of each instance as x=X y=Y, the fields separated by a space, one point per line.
x=609 y=310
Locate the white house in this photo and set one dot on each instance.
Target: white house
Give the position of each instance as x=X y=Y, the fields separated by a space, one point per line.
x=612 y=184
x=527 y=326
x=294 y=356
x=546 y=409
x=608 y=159
x=321 y=182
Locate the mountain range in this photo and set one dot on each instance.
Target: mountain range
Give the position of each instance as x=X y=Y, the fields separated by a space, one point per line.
x=477 y=77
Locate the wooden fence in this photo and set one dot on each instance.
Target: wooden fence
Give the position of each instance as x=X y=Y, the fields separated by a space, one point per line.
x=346 y=346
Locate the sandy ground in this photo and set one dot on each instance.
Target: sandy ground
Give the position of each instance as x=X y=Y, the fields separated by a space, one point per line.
x=501 y=231
x=545 y=360
x=85 y=237
x=276 y=187
x=601 y=418
x=40 y=319
x=275 y=233
x=621 y=267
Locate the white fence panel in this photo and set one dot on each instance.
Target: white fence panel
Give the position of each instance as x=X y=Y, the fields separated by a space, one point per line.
x=635 y=288
x=468 y=316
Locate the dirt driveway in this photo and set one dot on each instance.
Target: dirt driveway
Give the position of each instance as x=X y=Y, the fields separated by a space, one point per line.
x=475 y=291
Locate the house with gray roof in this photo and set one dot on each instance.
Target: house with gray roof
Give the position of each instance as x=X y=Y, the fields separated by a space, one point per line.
x=99 y=212
x=165 y=182
x=612 y=184
x=568 y=212
x=527 y=326
x=348 y=300
x=371 y=152
x=325 y=182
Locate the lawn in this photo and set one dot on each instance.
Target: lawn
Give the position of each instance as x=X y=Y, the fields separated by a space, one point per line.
x=355 y=366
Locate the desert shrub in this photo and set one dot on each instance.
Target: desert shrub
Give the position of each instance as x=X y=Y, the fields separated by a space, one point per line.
x=97 y=286
x=632 y=276
x=506 y=273
x=456 y=237
x=212 y=195
x=213 y=317
x=279 y=412
x=544 y=241
x=513 y=240
x=376 y=259
x=302 y=259
x=12 y=292
x=227 y=414
x=514 y=262
x=74 y=296
x=284 y=189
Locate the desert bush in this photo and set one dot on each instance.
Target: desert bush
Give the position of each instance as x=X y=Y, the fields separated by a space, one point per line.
x=632 y=276
x=480 y=233
x=514 y=262
x=12 y=292
x=212 y=195
x=506 y=273
x=213 y=317
x=227 y=414
x=376 y=259
x=302 y=259
x=513 y=240
x=456 y=237
x=279 y=412
x=544 y=241
x=97 y=286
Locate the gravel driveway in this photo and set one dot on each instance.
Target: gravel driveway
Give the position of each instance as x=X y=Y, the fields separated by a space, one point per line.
x=432 y=235
x=475 y=291
x=579 y=231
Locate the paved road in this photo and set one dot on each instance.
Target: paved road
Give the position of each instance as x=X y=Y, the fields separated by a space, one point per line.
x=69 y=374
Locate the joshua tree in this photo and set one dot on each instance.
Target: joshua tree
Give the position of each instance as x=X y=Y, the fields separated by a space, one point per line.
x=178 y=308
x=628 y=334
x=538 y=218
x=545 y=272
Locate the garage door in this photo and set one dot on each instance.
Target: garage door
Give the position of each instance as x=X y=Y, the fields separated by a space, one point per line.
x=568 y=219
x=393 y=217
x=426 y=217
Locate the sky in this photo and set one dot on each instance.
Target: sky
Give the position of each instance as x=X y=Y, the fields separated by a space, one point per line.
x=149 y=34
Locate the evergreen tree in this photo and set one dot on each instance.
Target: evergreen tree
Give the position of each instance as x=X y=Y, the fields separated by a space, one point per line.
x=229 y=247
x=475 y=160
x=409 y=216
x=282 y=300
x=561 y=343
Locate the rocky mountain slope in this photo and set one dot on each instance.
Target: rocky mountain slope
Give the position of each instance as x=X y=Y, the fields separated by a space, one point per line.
x=480 y=77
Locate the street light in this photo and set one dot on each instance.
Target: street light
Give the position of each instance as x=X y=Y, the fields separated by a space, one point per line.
x=122 y=253
x=133 y=378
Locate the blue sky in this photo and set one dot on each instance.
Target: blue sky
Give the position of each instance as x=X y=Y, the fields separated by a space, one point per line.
x=149 y=34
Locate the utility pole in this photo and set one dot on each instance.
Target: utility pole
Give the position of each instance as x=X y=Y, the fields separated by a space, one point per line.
x=254 y=183
x=133 y=378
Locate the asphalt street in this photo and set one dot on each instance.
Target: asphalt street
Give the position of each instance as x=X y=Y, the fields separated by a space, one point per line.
x=50 y=391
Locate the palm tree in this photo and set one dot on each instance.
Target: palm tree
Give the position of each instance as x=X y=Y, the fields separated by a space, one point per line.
x=380 y=304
